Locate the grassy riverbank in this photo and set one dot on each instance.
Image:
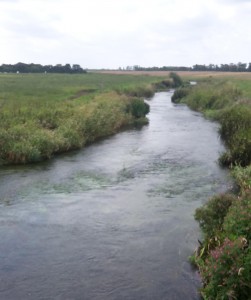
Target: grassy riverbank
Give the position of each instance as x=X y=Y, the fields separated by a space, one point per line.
x=224 y=256
x=41 y=115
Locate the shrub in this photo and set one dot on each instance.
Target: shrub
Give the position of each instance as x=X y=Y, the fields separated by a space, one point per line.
x=138 y=91
x=177 y=81
x=233 y=121
x=22 y=153
x=227 y=271
x=211 y=215
x=238 y=220
x=225 y=159
x=179 y=94
x=69 y=136
x=236 y=132
x=213 y=96
x=162 y=85
x=243 y=177
x=138 y=108
x=224 y=257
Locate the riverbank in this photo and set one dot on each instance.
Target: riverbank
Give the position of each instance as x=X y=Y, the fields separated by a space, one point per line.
x=224 y=256
x=43 y=115
x=115 y=219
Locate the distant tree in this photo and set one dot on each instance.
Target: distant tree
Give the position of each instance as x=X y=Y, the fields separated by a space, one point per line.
x=35 y=68
x=67 y=68
x=48 y=68
x=231 y=67
x=199 y=68
x=212 y=67
x=136 y=68
x=77 y=69
x=242 y=67
x=249 y=67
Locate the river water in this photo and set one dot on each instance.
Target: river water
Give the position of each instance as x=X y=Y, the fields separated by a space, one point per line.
x=114 y=220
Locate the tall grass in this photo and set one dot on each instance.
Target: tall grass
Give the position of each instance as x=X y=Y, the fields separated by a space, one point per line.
x=225 y=102
x=224 y=256
x=41 y=115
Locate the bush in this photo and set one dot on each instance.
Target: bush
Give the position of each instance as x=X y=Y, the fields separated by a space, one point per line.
x=213 y=96
x=162 y=85
x=224 y=257
x=211 y=215
x=243 y=177
x=138 y=108
x=177 y=81
x=236 y=132
x=38 y=133
x=234 y=121
x=237 y=222
x=179 y=94
x=139 y=91
x=227 y=271
x=221 y=101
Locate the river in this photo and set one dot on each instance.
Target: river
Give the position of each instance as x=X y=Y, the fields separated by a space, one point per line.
x=115 y=219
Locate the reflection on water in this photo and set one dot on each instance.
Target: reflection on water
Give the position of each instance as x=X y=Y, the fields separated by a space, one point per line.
x=115 y=220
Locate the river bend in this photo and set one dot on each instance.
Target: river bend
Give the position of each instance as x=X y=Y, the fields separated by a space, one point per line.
x=114 y=220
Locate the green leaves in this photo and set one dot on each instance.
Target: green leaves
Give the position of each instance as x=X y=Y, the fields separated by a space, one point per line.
x=212 y=214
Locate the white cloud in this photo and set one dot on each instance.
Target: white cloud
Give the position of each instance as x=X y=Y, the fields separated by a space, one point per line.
x=112 y=33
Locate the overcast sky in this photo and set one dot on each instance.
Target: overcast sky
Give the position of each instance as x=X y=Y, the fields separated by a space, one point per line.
x=118 y=33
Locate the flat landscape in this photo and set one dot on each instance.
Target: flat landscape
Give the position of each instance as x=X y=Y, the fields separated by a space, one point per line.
x=42 y=115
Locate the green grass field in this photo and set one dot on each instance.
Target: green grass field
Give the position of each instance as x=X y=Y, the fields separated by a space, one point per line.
x=44 y=114
x=54 y=87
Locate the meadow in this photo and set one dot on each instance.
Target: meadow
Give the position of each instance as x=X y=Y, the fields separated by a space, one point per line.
x=45 y=114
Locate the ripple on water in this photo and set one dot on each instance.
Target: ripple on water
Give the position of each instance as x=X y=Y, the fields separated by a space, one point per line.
x=114 y=220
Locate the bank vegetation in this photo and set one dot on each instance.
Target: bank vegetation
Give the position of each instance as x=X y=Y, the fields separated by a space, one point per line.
x=46 y=114
x=224 y=256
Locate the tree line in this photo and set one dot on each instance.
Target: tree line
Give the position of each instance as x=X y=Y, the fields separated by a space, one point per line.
x=238 y=67
x=37 y=68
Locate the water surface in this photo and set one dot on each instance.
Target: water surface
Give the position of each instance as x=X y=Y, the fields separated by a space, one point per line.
x=114 y=220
